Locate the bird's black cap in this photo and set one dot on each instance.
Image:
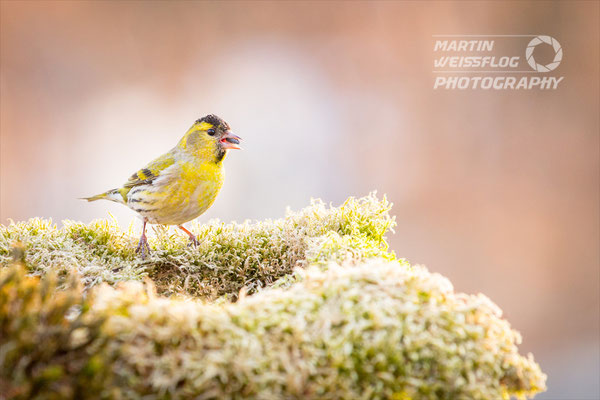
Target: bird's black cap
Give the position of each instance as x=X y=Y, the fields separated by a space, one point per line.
x=215 y=121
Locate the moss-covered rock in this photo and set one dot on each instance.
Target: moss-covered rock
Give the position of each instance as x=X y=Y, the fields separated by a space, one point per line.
x=326 y=312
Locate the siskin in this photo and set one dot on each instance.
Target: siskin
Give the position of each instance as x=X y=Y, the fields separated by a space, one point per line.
x=181 y=184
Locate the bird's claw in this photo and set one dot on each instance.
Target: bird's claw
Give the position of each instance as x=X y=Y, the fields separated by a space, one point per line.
x=193 y=241
x=143 y=247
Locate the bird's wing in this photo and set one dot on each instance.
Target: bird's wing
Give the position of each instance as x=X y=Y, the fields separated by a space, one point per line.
x=151 y=171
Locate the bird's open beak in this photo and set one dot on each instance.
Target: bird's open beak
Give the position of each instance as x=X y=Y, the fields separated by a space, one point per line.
x=230 y=141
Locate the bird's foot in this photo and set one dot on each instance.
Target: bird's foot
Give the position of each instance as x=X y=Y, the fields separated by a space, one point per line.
x=143 y=247
x=193 y=241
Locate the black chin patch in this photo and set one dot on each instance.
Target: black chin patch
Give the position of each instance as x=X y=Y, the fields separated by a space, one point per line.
x=220 y=154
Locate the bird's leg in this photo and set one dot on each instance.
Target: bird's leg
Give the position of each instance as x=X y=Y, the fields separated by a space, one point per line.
x=193 y=240
x=143 y=247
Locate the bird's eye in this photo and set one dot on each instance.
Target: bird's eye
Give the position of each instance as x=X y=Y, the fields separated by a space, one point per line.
x=211 y=132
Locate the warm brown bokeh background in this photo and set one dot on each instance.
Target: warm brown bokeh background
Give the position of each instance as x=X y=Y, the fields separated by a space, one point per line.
x=499 y=191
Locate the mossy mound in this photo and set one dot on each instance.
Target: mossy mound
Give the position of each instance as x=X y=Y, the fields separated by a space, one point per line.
x=352 y=324
x=375 y=330
x=229 y=258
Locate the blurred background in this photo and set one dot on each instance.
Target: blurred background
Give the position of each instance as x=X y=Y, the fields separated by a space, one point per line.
x=497 y=190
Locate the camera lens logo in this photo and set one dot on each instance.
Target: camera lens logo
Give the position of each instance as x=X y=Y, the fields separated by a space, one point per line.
x=558 y=53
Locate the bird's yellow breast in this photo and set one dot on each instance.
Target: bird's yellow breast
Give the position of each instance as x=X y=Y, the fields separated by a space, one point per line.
x=187 y=189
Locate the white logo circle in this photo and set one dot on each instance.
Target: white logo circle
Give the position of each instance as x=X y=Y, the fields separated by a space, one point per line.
x=558 y=53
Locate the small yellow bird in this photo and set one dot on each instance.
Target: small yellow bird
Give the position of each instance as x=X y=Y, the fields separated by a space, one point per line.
x=181 y=184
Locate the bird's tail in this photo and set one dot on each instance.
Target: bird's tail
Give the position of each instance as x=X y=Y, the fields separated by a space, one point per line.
x=112 y=195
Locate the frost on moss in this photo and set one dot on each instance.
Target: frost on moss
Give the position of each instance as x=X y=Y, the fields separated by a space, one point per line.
x=324 y=311
x=229 y=258
x=374 y=330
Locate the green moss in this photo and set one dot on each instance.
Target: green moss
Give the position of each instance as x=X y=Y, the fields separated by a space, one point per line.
x=44 y=352
x=323 y=311
x=229 y=258
x=356 y=331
